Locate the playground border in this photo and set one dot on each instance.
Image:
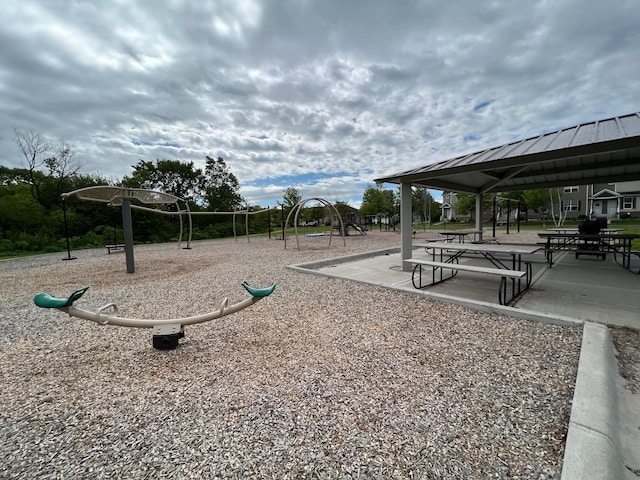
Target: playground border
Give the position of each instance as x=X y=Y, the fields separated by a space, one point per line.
x=592 y=447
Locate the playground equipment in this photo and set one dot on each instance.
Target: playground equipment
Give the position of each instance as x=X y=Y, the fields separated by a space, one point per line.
x=498 y=216
x=295 y=211
x=122 y=196
x=166 y=332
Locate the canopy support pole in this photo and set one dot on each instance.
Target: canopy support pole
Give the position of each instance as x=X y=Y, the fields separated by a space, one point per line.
x=128 y=234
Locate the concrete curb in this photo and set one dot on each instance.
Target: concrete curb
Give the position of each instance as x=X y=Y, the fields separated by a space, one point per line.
x=592 y=449
x=311 y=268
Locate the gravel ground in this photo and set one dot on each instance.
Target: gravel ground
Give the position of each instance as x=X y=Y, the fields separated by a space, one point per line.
x=627 y=343
x=323 y=379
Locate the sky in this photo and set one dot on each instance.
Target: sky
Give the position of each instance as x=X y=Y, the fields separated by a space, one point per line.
x=323 y=96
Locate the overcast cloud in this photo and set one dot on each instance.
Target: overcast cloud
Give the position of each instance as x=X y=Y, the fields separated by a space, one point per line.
x=323 y=96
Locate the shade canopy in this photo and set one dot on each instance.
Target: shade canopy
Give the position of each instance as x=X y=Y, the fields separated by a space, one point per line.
x=602 y=151
x=113 y=195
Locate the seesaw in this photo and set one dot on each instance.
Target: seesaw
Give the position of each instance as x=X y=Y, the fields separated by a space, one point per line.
x=166 y=332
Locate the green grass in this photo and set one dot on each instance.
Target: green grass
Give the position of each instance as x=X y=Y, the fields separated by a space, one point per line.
x=626 y=226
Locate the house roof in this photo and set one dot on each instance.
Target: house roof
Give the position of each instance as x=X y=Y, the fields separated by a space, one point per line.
x=606 y=193
x=604 y=150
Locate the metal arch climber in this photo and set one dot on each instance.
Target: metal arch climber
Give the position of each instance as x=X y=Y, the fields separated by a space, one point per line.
x=297 y=209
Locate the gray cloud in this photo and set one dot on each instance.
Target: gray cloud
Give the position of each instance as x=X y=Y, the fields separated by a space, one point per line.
x=322 y=96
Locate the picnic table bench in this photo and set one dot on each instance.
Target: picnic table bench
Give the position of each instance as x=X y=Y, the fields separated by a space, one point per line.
x=445 y=257
x=438 y=267
x=118 y=247
x=487 y=240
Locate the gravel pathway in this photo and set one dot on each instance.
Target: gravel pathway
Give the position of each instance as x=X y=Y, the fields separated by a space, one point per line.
x=323 y=379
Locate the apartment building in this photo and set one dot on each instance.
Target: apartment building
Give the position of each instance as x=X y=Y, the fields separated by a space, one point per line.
x=613 y=200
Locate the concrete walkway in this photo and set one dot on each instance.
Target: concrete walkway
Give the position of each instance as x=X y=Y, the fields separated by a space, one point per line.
x=603 y=441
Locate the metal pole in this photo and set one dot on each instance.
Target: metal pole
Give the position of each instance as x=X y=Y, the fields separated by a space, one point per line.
x=66 y=231
x=128 y=234
x=495 y=211
x=429 y=198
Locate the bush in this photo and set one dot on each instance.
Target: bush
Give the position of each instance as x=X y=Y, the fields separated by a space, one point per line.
x=22 y=245
x=6 y=245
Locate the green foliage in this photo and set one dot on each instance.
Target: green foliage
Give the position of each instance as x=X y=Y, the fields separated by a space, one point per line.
x=291 y=198
x=536 y=199
x=379 y=201
x=424 y=204
x=168 y=176
x=32 y=214
x=220 y=187
x=465 y=204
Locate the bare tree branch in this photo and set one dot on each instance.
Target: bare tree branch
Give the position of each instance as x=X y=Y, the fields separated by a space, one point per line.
x=38 y=152
x=33 y=147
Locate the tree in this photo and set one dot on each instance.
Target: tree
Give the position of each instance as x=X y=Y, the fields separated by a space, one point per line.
x=33 y=147
x=423 y=202
x=63 y=168
x=560 y=217
x=378 y=200
x=59 y=160
x=220 y=188
x=343 y=208
x=535 y=199
x=169 y=176
x=291 y=198
x=13 y=176
x=465 y=204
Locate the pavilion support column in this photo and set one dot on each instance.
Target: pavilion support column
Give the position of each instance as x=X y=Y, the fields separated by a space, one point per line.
x=406 y=225
x=479 y=214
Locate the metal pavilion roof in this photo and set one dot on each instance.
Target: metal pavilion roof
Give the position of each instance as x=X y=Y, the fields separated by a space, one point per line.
x=601 y=151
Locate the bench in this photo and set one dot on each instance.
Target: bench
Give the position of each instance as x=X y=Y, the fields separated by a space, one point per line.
x=595 y=250
x=487 y=240
x=504 y=274
x=115 y=248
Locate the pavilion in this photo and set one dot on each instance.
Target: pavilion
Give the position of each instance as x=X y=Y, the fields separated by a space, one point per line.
x=601 y=151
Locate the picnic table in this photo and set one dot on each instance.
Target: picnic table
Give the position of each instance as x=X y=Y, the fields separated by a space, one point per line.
x=620 y=244
x=446 y=256
x=576 y=230
x=461 y=235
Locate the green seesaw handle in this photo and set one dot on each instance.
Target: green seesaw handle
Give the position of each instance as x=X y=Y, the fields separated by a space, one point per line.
x=44 y=300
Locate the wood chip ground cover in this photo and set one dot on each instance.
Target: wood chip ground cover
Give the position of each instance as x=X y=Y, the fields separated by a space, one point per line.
x=323 y=379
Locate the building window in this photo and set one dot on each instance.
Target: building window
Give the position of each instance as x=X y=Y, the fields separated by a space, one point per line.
x=571 y=189
x=571 y=205
x=628 y=203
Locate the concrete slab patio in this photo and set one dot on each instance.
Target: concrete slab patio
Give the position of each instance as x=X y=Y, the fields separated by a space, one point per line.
x=604 y=432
